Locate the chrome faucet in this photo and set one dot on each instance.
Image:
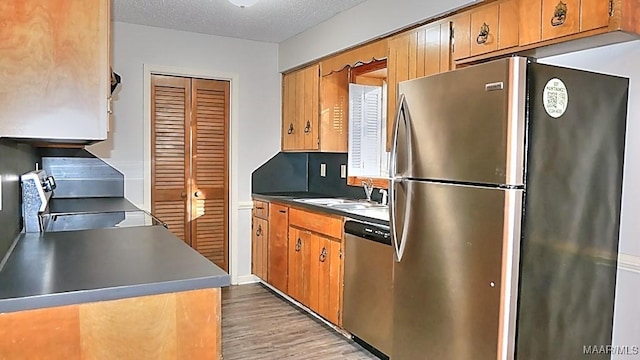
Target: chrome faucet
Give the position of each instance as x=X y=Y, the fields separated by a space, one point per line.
x=368 y=188
x=385 y=198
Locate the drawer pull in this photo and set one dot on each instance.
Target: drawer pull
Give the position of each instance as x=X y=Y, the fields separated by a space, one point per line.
x=259 y=231
x=298 y=245
x=559 y=14
x=283 y=211
x=323 y=254
x=307 y=129
x=290 y=131
x=483 y=36
x=259 y=208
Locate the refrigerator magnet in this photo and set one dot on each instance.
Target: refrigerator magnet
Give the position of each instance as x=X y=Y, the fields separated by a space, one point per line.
x=555 y=97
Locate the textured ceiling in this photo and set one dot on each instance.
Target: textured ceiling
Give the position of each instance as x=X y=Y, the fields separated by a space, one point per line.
x=268 y=20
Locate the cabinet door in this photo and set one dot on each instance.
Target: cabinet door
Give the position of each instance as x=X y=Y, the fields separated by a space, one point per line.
x=484 y=30
x=530 y=22
x=311 y=253
x=416 y=53
x=55 y=69
x=330 y=279
x=259 y=243
x=554 y=23
x=334 y=112
x=278 y=246
x=295 y=287
x=289 y=115
x=310 y=118
x=508 y=24
x=461 y=47
x=594 y=14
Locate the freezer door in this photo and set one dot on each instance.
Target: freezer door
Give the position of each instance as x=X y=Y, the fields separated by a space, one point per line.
x=466 y=125
x=455 y=287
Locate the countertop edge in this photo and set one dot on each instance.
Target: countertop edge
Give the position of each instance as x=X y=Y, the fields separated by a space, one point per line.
x=286 y=199
x=113 y=293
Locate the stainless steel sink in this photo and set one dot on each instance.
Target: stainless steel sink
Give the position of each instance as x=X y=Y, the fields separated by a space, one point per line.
x=323 y=201
x=357 y=206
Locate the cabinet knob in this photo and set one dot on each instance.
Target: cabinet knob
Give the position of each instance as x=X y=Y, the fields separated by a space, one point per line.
x=298 y=245
x=183 y=195
x=259 y=231
x=323 y=254
x=559 y=14
x=290 y=131
x=307 y=128
x=483 y=36
x=197 y=194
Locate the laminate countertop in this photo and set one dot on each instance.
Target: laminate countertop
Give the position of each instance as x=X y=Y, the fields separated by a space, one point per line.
x=89 y=205
x=378 y=216
x=72 y=267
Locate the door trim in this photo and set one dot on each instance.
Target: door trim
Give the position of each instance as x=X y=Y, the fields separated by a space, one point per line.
x=234 y=108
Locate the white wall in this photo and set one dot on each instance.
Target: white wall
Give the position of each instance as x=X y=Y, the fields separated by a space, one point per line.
x=622 y=59
x=363 y=22
x=258 y=117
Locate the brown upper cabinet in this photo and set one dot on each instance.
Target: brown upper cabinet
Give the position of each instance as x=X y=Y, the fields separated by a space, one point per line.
x=542 y=20
x=300 y=109
x=485 y=29
x=413 y=54
x=55 y=82
x=315 y=106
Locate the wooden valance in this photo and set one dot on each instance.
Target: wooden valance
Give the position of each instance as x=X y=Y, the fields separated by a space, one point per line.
x=376 y=50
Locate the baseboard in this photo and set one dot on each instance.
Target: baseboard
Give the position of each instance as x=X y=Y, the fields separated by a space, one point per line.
x=247 y=279
x=629 y=262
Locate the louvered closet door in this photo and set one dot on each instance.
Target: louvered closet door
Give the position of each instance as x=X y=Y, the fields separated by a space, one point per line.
x=209 y=231
x=170 y=152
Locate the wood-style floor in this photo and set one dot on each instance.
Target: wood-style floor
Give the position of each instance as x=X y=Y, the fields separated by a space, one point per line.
x=258 y=324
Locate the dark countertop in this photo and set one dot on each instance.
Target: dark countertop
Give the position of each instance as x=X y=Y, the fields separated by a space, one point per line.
x=63 y=268
x=89 y=205
x=288 y=198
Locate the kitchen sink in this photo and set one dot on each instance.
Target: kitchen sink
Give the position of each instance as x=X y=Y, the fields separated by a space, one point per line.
x=324 y=201
x=356 y=205
x=343 y=204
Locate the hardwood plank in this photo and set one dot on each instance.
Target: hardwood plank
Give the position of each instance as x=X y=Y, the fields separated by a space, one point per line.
x=257 y=324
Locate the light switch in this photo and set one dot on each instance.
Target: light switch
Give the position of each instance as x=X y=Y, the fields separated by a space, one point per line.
x=323 y=170
x=343 y=171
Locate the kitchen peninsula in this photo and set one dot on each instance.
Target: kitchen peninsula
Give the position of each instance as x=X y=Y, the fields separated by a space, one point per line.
x=136 y=292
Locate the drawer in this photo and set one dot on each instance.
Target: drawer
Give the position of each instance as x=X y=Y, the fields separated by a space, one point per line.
x=261 y=209
x=329 y=225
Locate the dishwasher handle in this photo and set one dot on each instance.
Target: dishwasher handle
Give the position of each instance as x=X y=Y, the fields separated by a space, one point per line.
x=377 y=233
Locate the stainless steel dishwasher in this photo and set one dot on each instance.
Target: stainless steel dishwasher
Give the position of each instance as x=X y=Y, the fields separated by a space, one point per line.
x=368 y=276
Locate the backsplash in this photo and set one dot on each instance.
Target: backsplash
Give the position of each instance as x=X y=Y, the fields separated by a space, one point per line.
x=300 y=173
x=332 y=183
x=79 y=173
x=15 y=160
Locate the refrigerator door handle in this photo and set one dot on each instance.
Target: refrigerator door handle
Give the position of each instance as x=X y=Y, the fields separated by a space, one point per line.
x=399 y=246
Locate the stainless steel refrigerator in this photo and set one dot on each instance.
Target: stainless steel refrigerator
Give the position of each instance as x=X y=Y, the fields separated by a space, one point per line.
x=505 y=205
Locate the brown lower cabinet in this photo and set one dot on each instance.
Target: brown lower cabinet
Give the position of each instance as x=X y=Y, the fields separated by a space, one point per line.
x=315 y=266
x=299 y=252
x=314 y=272
x=259 y=247
x=278 y=248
